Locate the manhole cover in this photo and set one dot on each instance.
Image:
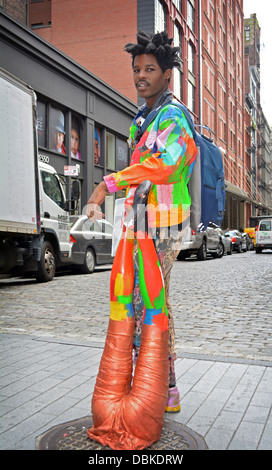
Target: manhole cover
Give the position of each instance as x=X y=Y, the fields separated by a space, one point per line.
x=72 y=436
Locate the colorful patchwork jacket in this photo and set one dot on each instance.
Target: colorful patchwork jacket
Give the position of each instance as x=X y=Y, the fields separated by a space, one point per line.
x=165 y=155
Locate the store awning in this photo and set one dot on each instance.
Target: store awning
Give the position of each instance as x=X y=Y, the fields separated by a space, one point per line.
x=231 y=188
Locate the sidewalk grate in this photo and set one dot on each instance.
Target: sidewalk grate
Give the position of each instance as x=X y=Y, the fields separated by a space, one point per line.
x=72 y=436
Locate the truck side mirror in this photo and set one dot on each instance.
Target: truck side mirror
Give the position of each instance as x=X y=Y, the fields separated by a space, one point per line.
x=75 y=190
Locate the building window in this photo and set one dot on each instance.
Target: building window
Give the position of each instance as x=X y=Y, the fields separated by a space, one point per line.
x=160 y=17
x=191 y=58
x=41 y=123
x=178 y=4
x=121 y=154
x=247 y=33
x=110 y=151
x=191 y=77
x=191 y=14
x=39 y=13
x=178 y=75
x=191 y=97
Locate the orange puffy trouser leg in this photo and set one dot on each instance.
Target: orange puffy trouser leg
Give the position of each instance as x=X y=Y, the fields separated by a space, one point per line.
x=126 y=417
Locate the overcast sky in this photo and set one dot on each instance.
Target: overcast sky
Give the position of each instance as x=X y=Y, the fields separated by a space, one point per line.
x=263 y=10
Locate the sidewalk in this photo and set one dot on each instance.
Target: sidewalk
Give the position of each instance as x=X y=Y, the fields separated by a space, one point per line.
x=45 y=382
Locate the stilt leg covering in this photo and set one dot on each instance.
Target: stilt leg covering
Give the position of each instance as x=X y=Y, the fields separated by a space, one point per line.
x=125 y=417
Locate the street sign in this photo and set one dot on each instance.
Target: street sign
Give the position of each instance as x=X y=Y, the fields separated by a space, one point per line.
x=71 y=170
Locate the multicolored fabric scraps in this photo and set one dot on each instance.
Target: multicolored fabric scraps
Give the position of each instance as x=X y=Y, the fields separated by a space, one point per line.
x=165 y=155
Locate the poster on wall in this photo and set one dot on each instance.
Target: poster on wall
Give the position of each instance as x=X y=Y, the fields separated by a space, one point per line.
x=97 y=147
x=75 y=138
x=57 y=131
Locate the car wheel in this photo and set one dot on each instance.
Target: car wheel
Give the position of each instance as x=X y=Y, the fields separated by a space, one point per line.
x=47 y=264
x=230 y=251
x=220 y=250
x=202 y=251
x=239 y=249
x=182 y=255
x=89 y=262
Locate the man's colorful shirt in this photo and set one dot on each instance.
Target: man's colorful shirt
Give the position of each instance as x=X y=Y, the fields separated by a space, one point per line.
x=165 y=155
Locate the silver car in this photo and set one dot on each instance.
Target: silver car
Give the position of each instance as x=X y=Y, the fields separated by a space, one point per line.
x=202 y=243
x=91 y=243
x=226 y=242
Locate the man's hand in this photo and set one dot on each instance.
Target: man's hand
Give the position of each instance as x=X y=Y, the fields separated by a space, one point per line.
x=93 y=210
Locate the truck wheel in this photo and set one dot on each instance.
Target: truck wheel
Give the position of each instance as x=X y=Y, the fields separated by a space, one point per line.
x=89 y=262
x=202 y=251
x=47 y=264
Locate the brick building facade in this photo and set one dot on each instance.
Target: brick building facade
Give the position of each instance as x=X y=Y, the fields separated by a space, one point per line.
x=223 y=95
x=210 y=34
x=258 y=152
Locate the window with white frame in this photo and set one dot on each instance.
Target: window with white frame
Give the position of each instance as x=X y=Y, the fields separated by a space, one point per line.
x=191 y=14
x=191 y=97
x=191 y=58
x=178 y=73
x=177 y=4
x=160 y=17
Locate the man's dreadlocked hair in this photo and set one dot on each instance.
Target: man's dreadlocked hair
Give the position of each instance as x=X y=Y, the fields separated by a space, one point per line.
x=158 y=45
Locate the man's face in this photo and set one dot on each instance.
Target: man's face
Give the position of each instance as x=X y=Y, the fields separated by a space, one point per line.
x=149 y=78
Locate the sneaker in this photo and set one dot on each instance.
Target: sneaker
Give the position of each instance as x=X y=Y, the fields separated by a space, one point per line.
x=173 y=403
x=135 y=354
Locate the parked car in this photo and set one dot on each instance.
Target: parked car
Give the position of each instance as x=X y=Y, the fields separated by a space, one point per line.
x=226 y=242
x=249 y=241
x=251 y=231
x=237 y=240
x=91 y=243
x=202 y=243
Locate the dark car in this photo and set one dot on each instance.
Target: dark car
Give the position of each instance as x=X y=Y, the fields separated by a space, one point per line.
x=91 y=243
x=249 y=241
x=237 y=240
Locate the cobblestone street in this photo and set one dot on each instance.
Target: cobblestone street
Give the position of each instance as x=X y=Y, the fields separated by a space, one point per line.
x=222 y=307
x=52 y=338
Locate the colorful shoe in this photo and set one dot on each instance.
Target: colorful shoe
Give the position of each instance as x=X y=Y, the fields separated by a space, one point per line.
x=135 y=354
x=173 y=403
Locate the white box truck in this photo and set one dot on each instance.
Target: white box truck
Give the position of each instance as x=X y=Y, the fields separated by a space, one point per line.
x=34 y=217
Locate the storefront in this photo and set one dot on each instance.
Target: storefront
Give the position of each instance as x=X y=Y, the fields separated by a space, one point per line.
x=83 y=123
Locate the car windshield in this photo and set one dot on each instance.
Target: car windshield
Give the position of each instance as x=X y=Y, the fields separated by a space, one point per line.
x=105 y=226
x=265 y=225
x=73 y=219
x=83 y=223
